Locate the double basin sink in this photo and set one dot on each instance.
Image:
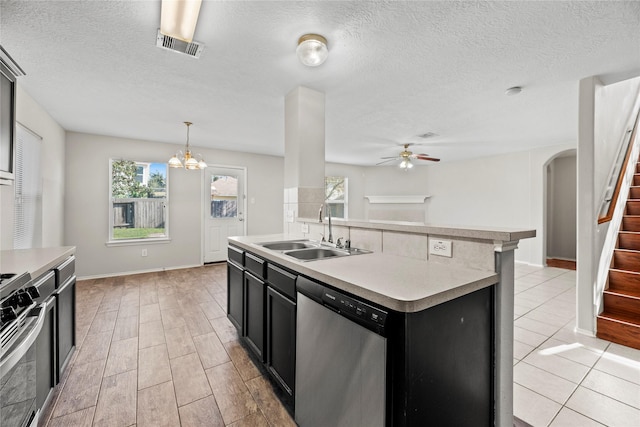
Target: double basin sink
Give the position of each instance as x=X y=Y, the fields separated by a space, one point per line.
x=309 y=250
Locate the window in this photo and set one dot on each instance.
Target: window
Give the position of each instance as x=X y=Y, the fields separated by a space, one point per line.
x=138 y=201
x=224 y=196
x=335 y=190
x=27 y=207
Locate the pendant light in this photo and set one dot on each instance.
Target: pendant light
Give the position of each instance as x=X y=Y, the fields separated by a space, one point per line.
x=187 y=160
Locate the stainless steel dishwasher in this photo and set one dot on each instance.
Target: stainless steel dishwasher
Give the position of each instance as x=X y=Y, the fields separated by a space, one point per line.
x=341 y=355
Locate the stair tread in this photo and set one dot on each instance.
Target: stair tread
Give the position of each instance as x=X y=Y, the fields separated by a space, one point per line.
x=624 y=293
x=628 y=319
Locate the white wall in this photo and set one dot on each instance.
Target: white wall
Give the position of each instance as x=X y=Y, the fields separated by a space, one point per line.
x=31 y=115
x=87 y=203
x=561 y=212
x=498 y=191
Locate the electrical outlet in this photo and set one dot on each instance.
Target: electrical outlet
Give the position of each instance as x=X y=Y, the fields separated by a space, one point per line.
x=440 y=247
x=305 y=228
x=290 y=216
x=144 y=252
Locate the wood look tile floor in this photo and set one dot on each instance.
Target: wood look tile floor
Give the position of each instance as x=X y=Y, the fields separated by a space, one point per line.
x=157 y=349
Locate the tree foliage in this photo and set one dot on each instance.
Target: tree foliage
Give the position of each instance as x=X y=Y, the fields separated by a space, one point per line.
x=123 y=181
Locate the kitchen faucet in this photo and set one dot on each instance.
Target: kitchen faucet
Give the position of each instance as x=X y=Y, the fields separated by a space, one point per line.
x=328 y=209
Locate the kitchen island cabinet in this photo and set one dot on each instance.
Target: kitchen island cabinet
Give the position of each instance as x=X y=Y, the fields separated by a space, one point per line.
x=450 y=330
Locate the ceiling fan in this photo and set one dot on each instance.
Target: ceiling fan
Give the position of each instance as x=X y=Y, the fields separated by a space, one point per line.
x=405 y=158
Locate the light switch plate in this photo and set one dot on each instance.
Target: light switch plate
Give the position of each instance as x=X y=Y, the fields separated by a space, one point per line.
x=305 y=228
x=289 y=216
x=440 y=247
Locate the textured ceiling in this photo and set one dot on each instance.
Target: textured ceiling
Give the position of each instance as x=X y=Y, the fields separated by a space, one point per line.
x=395 y=70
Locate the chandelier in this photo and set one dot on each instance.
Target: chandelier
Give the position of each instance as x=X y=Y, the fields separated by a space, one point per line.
x=187 y=160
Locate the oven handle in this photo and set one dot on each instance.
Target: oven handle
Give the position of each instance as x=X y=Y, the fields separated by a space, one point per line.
x=8 y=361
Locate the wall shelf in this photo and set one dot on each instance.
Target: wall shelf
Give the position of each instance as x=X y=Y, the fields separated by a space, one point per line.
x=396 y=199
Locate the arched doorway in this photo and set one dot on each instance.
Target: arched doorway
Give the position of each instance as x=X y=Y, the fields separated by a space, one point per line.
x=560 y=212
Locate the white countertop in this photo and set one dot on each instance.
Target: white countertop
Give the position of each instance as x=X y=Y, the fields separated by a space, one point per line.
x=35 y=261
x=471 y=232
x=399 y=283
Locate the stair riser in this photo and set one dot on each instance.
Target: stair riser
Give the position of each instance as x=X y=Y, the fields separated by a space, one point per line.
x=629 y=261
x=630 y=224
x=636 y=179
x=622 y=304
x=624 y=281
x=629 y=241
x=620 y=333
x=633 y=207
x=634 y=193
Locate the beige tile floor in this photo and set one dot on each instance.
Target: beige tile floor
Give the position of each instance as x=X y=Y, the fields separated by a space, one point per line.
x=157 y=349
x=562 y=378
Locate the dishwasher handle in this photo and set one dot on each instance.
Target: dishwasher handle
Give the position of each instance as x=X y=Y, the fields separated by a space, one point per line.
x=309 y=288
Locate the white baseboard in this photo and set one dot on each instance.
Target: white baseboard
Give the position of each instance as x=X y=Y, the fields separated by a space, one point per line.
x=127 y=273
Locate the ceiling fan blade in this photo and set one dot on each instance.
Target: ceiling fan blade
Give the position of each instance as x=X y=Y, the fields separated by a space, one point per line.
x=426 y=157
x=387 y=161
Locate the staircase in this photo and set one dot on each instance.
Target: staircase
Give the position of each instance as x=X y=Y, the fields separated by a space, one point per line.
x=620 y=320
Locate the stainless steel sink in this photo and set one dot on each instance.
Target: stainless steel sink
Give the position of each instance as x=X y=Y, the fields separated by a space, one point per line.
x=289 y=245
x=312 y=254
x=310 y=250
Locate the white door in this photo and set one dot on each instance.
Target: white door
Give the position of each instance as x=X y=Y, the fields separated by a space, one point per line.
x=224 y=206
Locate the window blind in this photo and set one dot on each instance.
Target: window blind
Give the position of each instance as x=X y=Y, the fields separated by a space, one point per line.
x=28 y=190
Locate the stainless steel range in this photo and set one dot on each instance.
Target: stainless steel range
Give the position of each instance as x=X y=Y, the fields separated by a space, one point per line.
x=20 y=324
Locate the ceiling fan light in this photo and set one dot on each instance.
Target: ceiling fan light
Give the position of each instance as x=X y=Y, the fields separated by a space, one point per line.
x=312 y=50
x=178 y=18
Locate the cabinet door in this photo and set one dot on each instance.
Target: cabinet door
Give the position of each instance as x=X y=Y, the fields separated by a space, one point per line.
x=235 y=296
x=66 y=317
x=281 y=339
x=254 y=292
x=46 y=355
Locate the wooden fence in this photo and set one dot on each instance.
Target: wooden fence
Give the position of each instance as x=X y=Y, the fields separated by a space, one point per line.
x=139 y=213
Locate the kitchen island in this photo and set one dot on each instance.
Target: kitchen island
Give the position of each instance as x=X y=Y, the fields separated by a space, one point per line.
x=448 y=334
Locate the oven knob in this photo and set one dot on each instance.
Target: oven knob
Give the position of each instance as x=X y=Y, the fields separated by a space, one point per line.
x=7 y=314
x=33 y=292
x=24 y=299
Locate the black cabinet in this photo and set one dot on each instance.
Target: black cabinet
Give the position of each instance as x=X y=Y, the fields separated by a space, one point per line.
x=254 y=298
x=235 y=296
x=66 y=313
x=281 y=340
x=46 y=353
x=9 y=71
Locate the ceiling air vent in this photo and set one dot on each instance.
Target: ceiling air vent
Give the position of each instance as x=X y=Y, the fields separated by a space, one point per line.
x=193 y=49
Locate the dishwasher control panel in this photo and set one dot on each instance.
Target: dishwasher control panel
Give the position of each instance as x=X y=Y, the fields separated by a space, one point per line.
x=364 y=313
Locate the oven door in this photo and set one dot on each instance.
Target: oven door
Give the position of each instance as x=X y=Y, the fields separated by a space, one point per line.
x=18 y=375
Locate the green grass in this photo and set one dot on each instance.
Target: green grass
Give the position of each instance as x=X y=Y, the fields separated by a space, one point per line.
x=137 y=233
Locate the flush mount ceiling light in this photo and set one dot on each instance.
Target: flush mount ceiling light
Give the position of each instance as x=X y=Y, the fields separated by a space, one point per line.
x=312 y=50
x=178 y=18
x=513 y=91
x=187 y=160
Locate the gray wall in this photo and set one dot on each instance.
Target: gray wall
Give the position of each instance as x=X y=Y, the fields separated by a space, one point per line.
x=87 y=203
x=561 y=208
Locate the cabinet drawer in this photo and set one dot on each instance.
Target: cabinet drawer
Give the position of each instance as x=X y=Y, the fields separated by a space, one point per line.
x=236 y=255
x=65 y=270
x=45 y=284
x=282 y=280
x=254 y=264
